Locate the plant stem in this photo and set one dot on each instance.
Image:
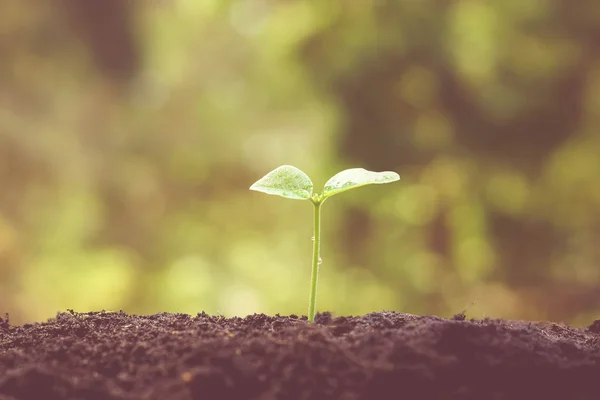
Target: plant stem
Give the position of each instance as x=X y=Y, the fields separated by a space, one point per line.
x=312 y=301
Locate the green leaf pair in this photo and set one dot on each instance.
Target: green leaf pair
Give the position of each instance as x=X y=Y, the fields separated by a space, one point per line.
x=292 y=183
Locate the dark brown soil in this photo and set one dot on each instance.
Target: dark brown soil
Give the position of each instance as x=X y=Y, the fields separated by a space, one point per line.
x=385 y=355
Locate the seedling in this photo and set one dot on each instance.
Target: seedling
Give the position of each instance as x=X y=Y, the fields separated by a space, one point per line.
x=292 y=183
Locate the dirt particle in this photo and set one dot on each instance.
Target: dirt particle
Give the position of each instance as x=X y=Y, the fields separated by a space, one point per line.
x=595 y=326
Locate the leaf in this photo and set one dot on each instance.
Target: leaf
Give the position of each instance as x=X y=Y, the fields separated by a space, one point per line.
x=356 y=177
x=285 y=181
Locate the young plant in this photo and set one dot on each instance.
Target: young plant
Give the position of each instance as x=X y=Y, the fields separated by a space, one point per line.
x=292 y=183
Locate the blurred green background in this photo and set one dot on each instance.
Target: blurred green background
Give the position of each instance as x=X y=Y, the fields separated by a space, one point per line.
x=130 y=132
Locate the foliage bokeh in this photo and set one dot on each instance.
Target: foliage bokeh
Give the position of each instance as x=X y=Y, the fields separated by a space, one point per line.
x=130 y=132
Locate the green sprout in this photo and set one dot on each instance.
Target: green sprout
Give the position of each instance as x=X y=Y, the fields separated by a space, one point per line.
x=290 y=182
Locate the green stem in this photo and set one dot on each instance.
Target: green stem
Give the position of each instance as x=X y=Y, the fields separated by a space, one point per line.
x=312 y=301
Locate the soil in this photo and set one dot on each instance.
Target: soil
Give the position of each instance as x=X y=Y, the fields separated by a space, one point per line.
x=387 y=355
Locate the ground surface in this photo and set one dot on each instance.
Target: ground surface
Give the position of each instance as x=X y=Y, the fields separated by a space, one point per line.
x=378 y=356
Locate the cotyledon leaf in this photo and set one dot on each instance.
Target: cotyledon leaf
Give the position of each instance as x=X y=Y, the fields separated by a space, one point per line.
x=286 y=181
x=356 y=177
